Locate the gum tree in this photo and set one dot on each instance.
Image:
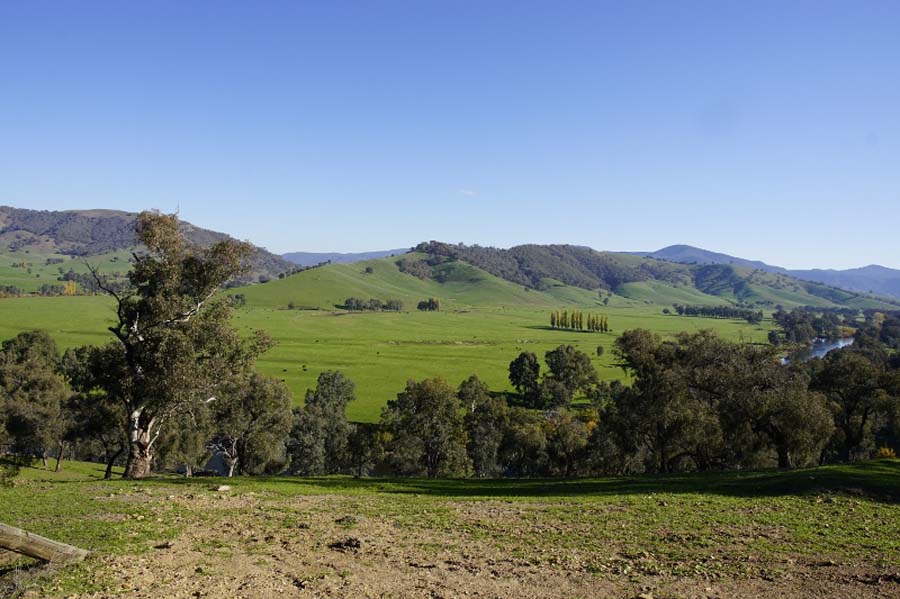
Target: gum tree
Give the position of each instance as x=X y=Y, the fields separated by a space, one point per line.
x=174 y=344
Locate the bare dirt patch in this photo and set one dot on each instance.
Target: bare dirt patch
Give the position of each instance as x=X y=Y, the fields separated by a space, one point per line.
x=258 y=545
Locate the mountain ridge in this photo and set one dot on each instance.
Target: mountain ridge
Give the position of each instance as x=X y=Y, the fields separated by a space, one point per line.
x=873 y=278
x=314 y=258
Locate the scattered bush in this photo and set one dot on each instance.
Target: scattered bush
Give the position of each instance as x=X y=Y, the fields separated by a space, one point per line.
x=432 y=304
x=887 y=453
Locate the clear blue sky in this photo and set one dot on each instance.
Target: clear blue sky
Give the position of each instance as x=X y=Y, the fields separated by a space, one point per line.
x=769 y=130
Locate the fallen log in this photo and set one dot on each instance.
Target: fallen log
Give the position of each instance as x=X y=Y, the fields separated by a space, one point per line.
x=21 y=541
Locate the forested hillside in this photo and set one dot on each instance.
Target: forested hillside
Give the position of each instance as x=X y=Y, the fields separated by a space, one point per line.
x=32 y=237
x=538 y=266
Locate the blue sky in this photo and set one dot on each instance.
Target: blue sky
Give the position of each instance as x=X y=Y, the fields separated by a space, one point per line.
x=769 y=130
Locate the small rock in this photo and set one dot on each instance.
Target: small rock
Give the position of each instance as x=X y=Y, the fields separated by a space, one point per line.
x=347 y=544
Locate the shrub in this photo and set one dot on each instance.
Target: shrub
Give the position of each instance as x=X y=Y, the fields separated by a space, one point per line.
x=431 y=304
x=8 y=471
x=886 y=452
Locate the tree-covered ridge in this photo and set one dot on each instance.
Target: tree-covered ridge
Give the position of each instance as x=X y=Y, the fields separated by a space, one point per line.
x=578 y=266
x=86 y=233
x=537 y=266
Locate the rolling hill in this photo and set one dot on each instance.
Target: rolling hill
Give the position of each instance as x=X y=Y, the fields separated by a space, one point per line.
x=456 y=283
x=648 y=279
x=36 y=246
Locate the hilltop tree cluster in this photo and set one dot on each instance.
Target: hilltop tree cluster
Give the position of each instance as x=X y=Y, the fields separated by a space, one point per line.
x=576 y=320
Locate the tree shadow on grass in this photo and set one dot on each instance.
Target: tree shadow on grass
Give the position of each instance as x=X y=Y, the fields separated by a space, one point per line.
x=876 y=479
x=538 y=327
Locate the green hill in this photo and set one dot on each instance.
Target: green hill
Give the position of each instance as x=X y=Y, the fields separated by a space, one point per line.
x=39 y=246
x=457 y=284
x=649 y=279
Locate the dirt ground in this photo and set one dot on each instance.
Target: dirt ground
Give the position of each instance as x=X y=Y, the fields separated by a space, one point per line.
x=330 y=546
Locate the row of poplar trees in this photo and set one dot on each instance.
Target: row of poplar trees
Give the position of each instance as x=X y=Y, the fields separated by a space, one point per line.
x=577 y=320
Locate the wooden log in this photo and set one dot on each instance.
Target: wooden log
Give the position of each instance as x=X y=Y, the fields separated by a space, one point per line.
x=38 y=547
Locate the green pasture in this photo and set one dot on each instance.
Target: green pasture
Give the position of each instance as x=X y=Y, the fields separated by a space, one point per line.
x=28 y=270
x=380 y=351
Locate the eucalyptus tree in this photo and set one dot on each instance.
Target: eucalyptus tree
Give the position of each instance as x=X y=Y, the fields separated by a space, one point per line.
x=32 y=396
x=174 y=345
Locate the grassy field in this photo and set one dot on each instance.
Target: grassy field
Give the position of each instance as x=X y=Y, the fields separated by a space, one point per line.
x=827 y=532
x=28 y=270
x=381 y=351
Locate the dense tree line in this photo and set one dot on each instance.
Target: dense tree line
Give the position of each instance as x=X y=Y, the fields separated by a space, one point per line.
x=531 y=265
x=577 y=321
x=697 y=402
x=374 y=304
x=805 y=325
x=751 y=316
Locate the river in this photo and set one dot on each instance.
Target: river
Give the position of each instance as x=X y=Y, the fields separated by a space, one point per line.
x=819 y=348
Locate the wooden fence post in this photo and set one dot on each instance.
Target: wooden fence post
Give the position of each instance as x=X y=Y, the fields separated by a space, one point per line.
x=36 y=546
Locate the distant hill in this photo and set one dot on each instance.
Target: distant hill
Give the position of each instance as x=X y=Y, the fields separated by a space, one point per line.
x=869 y=279
x=314 y=258
x=457 y=284
x=688 y=254
x=648 y=278
x=873 y=278
x=37 y=238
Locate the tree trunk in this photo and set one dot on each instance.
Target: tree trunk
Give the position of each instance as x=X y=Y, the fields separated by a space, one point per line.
x=59 y=456
x=188 y=471
x=44 y=458
x=26 y=543
x=140 y=460
x=110 y=462
x=140 y=446
x=784 y=458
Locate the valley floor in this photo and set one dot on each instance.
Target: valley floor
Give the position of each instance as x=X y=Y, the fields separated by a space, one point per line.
x=828 y=532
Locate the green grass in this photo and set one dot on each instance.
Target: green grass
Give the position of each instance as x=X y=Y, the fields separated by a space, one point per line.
x=381 y=351
x=706 y=526
x=664 y=294
x=486 y=322
x=37 y=272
